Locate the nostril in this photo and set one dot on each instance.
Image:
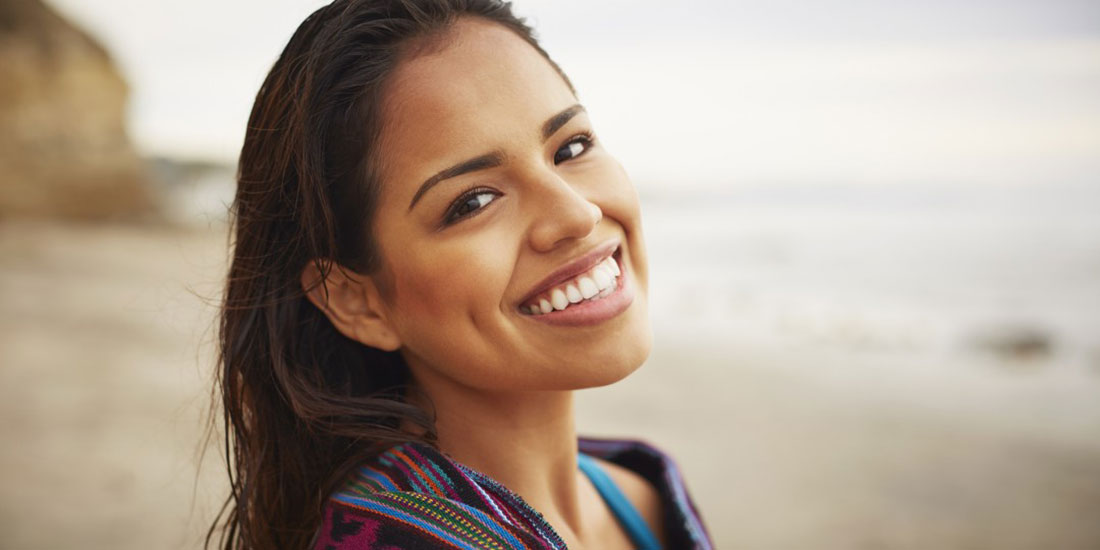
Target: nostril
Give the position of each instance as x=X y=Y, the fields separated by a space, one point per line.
x=562 y=217
x=598 y=211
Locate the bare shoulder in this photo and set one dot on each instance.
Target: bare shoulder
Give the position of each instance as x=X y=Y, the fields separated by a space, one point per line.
x=640 y=492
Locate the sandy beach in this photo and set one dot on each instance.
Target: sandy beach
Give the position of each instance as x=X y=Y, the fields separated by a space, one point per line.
x=105 y=380
x=871 y=229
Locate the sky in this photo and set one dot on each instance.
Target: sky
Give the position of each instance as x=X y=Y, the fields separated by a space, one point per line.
x=705 y=93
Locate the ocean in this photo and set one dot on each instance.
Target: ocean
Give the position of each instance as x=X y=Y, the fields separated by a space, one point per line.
x=918 y=270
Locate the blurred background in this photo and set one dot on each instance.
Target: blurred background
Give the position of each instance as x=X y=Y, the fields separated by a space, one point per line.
x=874 y=236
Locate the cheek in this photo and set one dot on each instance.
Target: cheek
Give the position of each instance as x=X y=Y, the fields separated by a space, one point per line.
x=455 y=279
x=448 y=308
x=619 y=201
x=612 y=189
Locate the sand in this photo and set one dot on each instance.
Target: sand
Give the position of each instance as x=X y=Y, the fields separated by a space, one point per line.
x=105 y=378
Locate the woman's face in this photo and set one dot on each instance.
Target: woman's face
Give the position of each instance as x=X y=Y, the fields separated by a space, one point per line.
x=495 y=193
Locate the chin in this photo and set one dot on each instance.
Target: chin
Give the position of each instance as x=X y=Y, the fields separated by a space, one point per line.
x=616 y=362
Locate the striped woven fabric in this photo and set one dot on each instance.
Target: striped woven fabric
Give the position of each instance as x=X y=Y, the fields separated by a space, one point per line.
x=413 y=496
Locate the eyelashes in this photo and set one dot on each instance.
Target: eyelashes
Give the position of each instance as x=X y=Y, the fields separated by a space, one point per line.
x=474 y=200
x=575 y=147
x=470 y=202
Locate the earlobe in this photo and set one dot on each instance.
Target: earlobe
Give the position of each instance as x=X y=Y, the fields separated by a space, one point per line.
x=352 y=303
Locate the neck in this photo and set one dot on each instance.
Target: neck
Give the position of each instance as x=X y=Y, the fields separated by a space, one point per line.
x=525 y=440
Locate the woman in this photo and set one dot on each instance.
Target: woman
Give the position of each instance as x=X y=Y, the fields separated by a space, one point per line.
x=432 y=250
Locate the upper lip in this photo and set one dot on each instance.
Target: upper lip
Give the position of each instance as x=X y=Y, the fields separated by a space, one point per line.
x=575 y=267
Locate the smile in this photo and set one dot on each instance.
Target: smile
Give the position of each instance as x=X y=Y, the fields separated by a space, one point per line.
x=590 y=298
x=597 y=283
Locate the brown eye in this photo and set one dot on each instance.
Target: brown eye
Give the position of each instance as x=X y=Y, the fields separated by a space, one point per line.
x=468 y=204
x=573 y=149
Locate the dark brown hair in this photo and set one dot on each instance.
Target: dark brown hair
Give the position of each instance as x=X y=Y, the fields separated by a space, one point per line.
x=302 y=404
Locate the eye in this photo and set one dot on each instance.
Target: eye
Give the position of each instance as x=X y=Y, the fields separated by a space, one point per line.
x=574 y=148
x=468 y=204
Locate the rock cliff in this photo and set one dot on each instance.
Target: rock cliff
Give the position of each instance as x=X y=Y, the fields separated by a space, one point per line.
x=64 y=151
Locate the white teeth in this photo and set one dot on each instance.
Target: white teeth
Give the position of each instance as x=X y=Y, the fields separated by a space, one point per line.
x=602 y=278
x=600 y=282
x=558 y=299
x=588 y=287
x=573 y=294
x=613 y=265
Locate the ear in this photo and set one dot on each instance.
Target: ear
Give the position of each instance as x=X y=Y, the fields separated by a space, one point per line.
x=352 y=303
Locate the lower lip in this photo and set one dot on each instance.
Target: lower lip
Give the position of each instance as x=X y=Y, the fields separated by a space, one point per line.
x=592 y=312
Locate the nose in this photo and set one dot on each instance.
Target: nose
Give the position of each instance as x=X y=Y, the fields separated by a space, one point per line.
x=561 y=213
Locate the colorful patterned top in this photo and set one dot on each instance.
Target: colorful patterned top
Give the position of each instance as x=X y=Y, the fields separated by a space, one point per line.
x=415 y=497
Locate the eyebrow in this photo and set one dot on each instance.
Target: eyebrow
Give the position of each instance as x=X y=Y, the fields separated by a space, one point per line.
x=557 y=121
x=495 y=158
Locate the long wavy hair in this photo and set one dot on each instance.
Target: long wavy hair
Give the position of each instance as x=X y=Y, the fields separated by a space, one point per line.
x=302 y=404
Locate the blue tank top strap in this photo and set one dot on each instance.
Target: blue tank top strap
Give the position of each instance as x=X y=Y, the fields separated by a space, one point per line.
x=628 y=516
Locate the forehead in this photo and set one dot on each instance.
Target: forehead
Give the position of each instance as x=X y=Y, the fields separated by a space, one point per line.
x=481 y=88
